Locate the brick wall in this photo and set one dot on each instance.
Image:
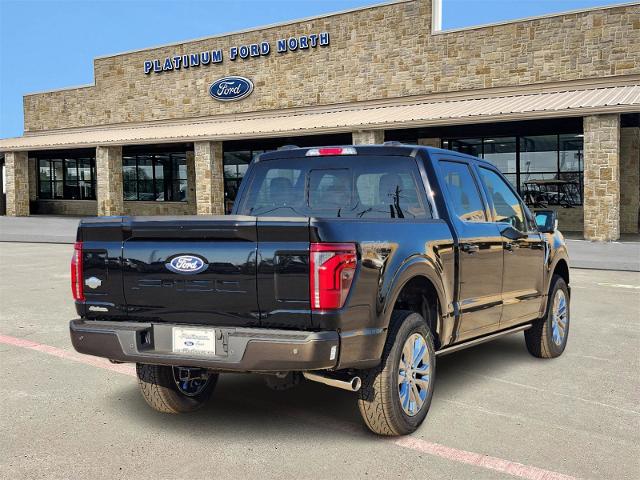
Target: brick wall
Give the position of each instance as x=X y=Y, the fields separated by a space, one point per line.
x=379 y=52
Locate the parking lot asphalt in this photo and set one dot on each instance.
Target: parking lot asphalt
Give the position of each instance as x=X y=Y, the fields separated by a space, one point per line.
x=497 y=412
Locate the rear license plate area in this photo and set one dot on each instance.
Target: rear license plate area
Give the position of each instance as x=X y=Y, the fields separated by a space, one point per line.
x=194 y=341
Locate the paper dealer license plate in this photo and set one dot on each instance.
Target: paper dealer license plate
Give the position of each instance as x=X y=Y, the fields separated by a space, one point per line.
x=199 y=341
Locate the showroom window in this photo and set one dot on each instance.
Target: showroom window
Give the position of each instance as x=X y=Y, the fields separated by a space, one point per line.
x=236 y=164
x=545 y=169
x=159 y=177
x=66 y=177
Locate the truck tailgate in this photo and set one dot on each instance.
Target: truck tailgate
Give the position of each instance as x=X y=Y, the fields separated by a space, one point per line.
x=223 y=292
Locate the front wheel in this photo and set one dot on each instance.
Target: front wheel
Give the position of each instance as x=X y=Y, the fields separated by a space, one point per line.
x=395 y=396
x=547 y=337
x=175 y=389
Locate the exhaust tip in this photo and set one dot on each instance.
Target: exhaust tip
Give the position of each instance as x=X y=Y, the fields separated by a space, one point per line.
x=356 y=383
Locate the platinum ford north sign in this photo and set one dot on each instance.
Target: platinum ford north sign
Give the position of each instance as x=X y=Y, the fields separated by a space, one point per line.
x=244 y=52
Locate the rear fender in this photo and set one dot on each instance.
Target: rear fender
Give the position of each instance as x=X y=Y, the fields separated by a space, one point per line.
x=419 y=266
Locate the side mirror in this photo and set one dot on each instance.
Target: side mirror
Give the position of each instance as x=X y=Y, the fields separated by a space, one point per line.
x=546 y=220
x=512 y=233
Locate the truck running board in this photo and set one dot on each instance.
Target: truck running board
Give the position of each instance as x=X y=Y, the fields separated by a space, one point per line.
x=478 y=341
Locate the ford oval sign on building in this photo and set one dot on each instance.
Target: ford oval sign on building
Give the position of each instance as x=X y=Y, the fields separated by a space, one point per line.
x=229 y=89
x=187 y=264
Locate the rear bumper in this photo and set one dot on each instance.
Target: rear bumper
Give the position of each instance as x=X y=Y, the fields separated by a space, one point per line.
x=237 y=349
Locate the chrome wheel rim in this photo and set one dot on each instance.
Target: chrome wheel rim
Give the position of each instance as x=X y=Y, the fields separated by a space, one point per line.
x=414 y=374
x=188 y=384
x=559 y=318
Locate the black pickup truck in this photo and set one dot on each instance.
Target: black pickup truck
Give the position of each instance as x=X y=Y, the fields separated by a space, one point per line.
x=353 y=266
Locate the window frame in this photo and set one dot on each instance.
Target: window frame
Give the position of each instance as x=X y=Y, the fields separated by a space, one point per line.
x=63 y=159
x=155 y=163
x=446 y=143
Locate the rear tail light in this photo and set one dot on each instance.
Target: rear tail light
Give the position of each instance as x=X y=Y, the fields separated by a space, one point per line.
x=330 y=151
x=76 y=273
x=332 y=267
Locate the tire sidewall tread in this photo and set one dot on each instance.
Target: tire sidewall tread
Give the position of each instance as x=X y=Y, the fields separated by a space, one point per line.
x=379 y=402
x=161 y=393
x=539 y=338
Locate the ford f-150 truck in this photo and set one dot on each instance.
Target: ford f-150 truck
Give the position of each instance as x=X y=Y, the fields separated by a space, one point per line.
x=353 y=266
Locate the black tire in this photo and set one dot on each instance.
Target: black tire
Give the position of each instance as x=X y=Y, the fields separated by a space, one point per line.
x=379 y=397
x=540 y=337
x=161 y=392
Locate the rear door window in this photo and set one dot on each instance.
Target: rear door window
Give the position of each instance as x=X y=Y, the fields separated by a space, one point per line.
x=463 y=192
x=340 y=187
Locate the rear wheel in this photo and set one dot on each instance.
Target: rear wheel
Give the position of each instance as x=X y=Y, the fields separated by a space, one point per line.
x=395 y=396
x=175 y=389
x=547 y=337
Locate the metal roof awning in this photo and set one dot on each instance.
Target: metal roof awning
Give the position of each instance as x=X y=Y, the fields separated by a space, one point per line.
x=424 y=113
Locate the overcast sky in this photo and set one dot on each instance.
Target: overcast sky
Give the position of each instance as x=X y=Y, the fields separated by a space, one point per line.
x=51 y=44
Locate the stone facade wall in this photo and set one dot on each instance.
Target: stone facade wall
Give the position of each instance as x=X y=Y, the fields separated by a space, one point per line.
x=430 y=142
x=368 y=137
x=79 y=208
x=159 y=208
x=109 y=181
x=629 y=179
x=602 y=177
x=17 y=183
x=209 y=178
x=569 y=219
x=375 y=53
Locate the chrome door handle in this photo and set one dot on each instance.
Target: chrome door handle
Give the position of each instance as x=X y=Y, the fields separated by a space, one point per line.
x=511 y=246
x=469 y=247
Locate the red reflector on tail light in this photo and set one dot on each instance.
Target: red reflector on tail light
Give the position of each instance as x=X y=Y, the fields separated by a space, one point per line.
x=331 y=269
x=77 y=287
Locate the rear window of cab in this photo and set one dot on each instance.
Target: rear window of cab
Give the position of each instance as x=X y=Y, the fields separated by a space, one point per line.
x=336 y=187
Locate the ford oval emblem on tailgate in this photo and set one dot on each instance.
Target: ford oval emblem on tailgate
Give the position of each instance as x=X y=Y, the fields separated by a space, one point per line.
x=187 y=264
x=228 y=89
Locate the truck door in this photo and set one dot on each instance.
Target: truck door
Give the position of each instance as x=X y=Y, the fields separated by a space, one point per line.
x=480 y=250
x=524 y=249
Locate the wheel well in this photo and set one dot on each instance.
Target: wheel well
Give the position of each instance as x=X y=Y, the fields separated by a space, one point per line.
x=420 y=296
x=562 y=269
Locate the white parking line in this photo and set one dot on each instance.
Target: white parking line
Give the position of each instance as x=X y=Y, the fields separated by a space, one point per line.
x=618 y=285
x=412 y=443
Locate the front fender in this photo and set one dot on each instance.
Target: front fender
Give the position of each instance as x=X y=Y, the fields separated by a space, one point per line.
x=556 y=253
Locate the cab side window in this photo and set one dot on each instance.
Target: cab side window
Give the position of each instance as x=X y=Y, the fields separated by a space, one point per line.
x=507 y=207
x=462 y=188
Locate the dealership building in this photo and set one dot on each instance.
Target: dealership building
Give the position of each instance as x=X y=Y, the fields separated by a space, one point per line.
x=553 y=101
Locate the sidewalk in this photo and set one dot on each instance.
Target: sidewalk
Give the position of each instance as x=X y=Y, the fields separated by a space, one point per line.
x=39 y=229
x=622 y=255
